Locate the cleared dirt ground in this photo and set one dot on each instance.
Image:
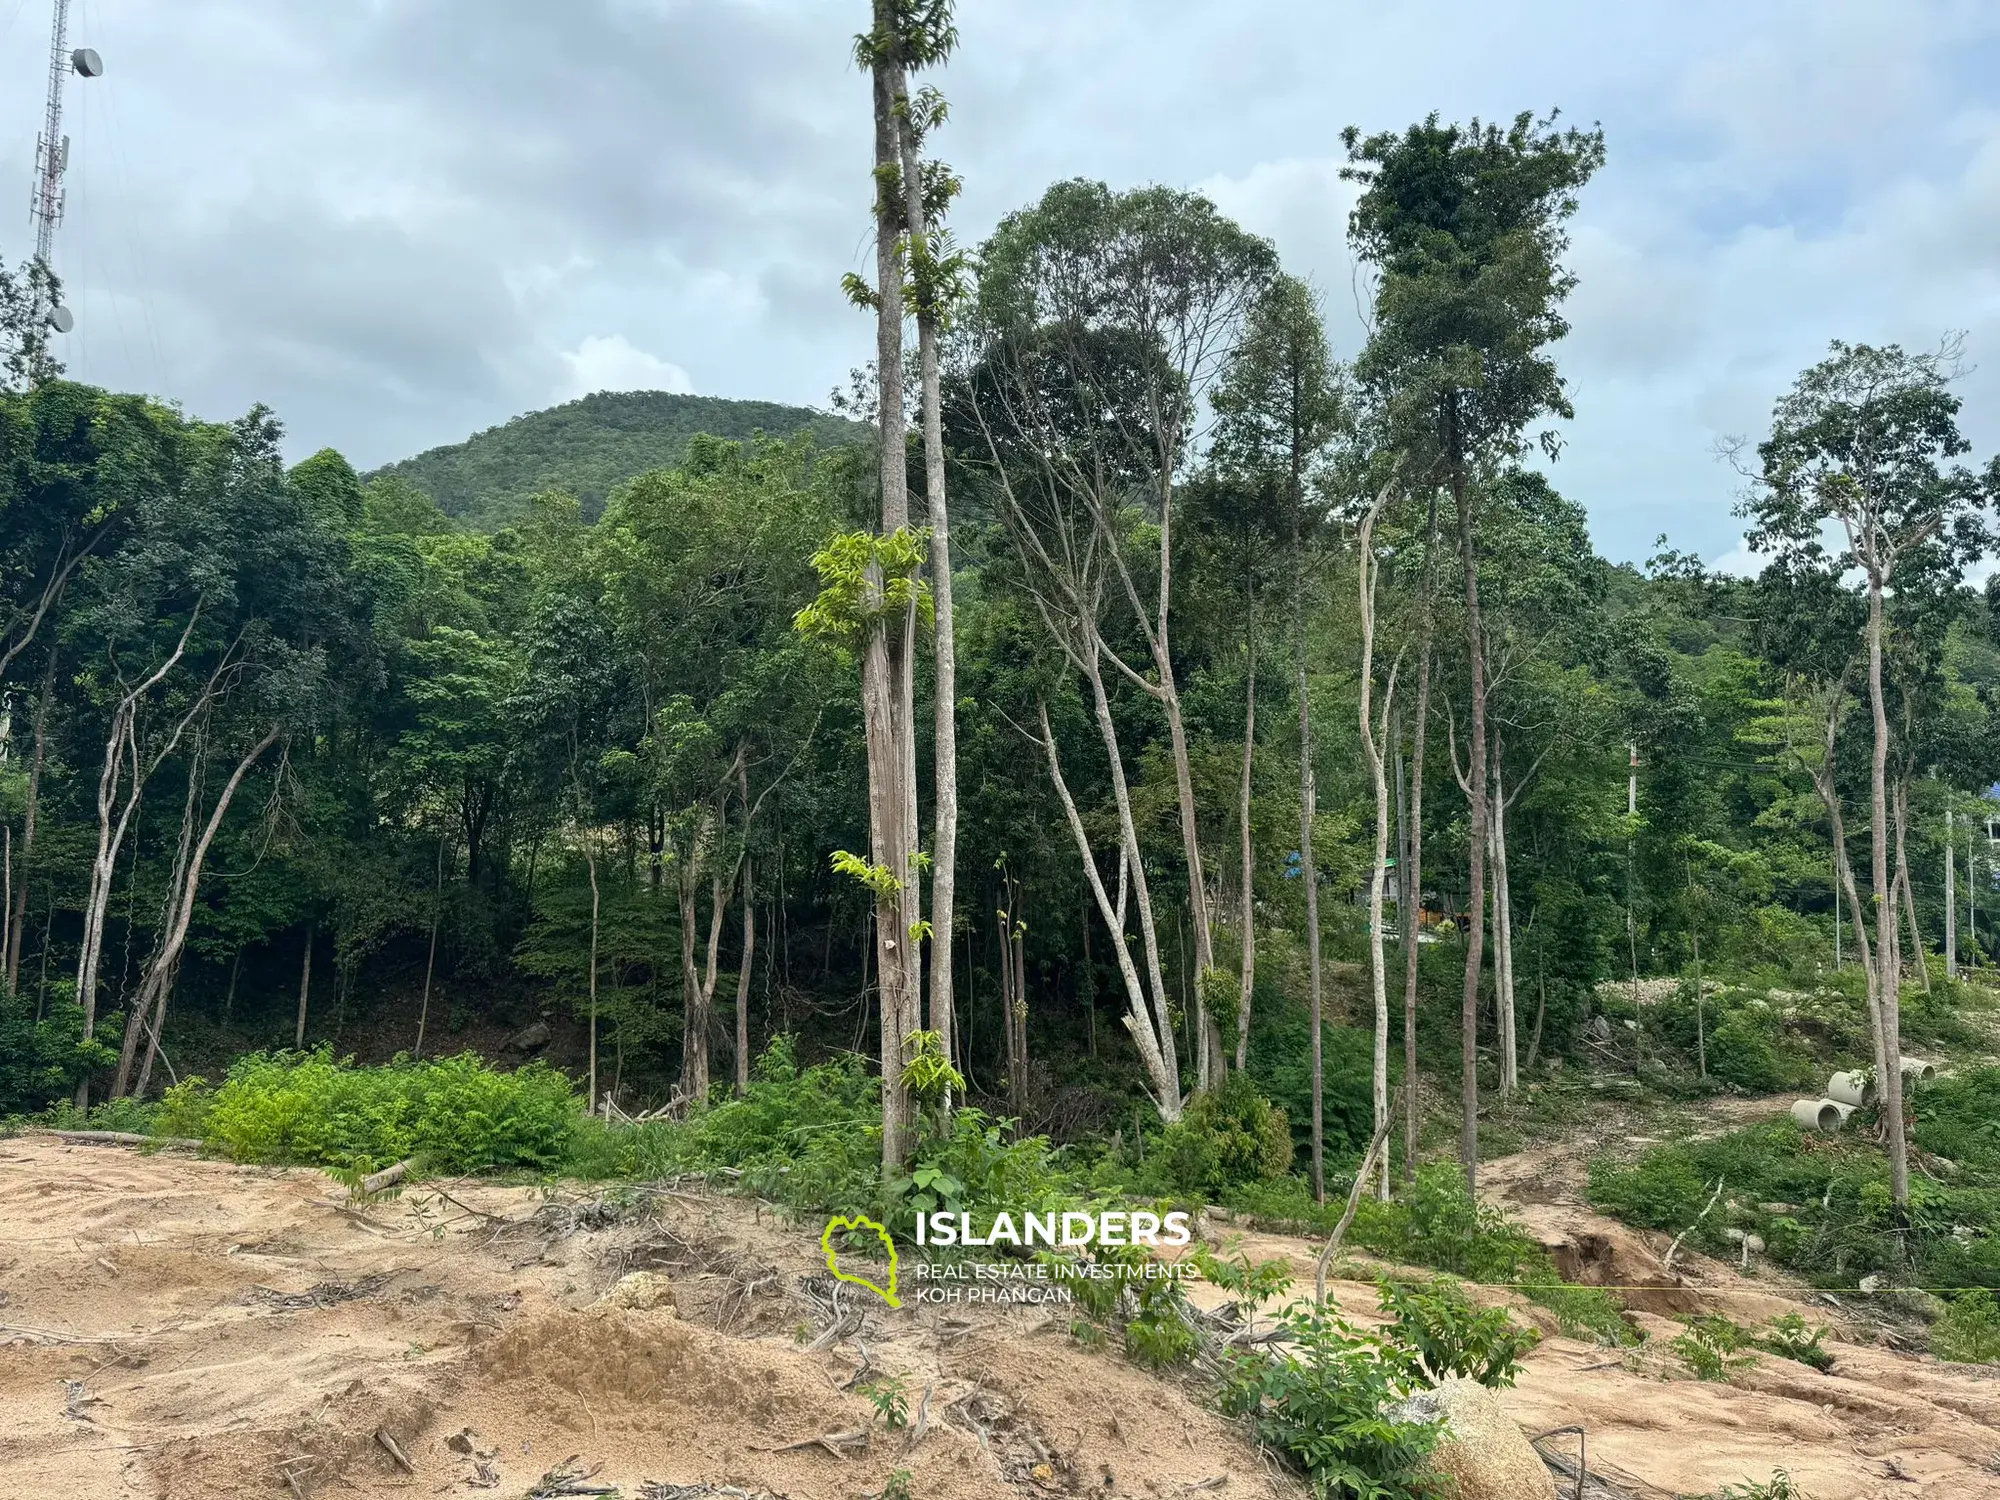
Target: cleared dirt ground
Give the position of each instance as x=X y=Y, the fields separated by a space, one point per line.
x=182 y=1328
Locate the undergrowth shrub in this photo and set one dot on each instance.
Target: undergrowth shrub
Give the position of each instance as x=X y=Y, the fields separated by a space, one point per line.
x=1969 y=1331
x=42 y=1062
x=1822 y=1204
x=1447 y=1333
x=1230 y=1134
x=1326 y=1405
x=454 y=1114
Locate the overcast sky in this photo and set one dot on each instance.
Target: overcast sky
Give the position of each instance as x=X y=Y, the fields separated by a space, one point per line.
x=400 y=221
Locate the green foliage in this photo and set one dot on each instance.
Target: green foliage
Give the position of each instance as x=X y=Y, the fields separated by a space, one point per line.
x=1249 y=1284
x=1821 y=1203
x=1791 y=1337
x=970 y=1166
x=1323 y=1404
x=590 y=447
x=1449 y=1334
x=864 y=578
x=890 y=1398
x=41 y=1062
x=1230 y=1134
x=454 y=1114
x=1436 y=1223
x=1969 y=1331
x=1710 y=1348
x=1780 y=1486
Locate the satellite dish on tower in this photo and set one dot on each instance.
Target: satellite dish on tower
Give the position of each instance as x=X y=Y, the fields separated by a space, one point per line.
x=61 y=319
x=87 y=63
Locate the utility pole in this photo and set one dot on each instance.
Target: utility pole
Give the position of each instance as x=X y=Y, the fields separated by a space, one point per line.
x=52 y=151
x=1950 y=905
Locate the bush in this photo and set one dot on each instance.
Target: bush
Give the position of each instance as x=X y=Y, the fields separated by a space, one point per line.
x=1450 y=1335
x=1821 y=1203
x=1230 y=1134
x=1791 y=1337
x=42 y=1062
x=455 y=1114
x=1324 y=1405
x=1969 y=1331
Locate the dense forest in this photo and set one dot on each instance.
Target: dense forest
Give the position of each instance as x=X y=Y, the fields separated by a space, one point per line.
x=1150 y=694
x=590 y=446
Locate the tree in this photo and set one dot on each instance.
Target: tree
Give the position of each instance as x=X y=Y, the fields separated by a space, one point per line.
x=1279 y=407
x=936 y=285
x=1862 y=445
x=1463 y=225
x=1150 y=290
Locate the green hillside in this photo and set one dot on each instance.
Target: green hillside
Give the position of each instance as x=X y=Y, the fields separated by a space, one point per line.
x=589 y=446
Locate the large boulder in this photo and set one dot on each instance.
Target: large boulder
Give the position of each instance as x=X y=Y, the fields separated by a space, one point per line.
x=530 y=1038
x=1481 y=1448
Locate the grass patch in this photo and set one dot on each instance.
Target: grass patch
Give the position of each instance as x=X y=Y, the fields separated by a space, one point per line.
x=1821 y=1203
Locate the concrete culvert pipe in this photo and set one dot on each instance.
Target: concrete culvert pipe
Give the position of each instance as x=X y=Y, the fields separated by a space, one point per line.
x=1854 y=1089
x=1842 y=1110
x=1817 y=1114
x=1916 y=1070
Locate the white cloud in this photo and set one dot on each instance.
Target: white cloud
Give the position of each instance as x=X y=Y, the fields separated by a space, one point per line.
x=615 y=364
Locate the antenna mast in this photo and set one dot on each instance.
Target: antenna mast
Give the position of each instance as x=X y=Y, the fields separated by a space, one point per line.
x=52 y=148
x=52 y=156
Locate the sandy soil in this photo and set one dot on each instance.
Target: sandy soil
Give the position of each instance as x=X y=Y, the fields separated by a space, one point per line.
x=180 y=1328
x=184 y=1329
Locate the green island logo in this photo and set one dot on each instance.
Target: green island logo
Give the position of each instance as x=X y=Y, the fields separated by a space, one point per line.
x=860 y=1222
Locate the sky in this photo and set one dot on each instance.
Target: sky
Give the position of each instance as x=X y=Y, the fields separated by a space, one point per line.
x=397 y=222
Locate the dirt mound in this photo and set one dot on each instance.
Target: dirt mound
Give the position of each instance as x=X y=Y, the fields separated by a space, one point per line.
x=188 y=1329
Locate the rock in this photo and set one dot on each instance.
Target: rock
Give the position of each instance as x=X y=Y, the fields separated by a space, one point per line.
x=528 y=1038
x=642 y=1291
x=1481 y=1448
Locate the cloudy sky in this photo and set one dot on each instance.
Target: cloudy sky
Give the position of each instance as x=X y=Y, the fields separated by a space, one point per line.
x=399 y=221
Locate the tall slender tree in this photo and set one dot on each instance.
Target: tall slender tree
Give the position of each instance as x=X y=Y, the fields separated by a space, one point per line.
x=1862 y=446
x=1463 y=226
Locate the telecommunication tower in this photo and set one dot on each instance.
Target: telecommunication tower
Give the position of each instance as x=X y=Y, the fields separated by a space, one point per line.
x=52 y=148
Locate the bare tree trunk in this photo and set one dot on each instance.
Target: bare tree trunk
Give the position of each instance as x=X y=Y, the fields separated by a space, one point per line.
x=1309 y=871
x=153 y=992
x=305 y=987
x=743 y=981
x=1413 y=877
x=113 y=821
x=944 y=841
x=887 y=703
x=590 y=862
x=1017 y=1013
x=1151 y=1026
x=1371 y=750
x=430 y=960
x=1475 y=921
x=1909 y=896
x=1887 y=945
x=1248 y=912
x=1503 y=936
x=29 y=821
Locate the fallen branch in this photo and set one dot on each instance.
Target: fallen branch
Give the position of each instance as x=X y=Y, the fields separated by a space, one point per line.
x=836 y=1443
x=1668 y=1263
x=388 y=1177
x=395 y=1450
x=1353 y=1203
x=123 y=1138
x=51 y=1337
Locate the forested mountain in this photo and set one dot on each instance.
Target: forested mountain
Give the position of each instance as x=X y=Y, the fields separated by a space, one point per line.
x=588 y=447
